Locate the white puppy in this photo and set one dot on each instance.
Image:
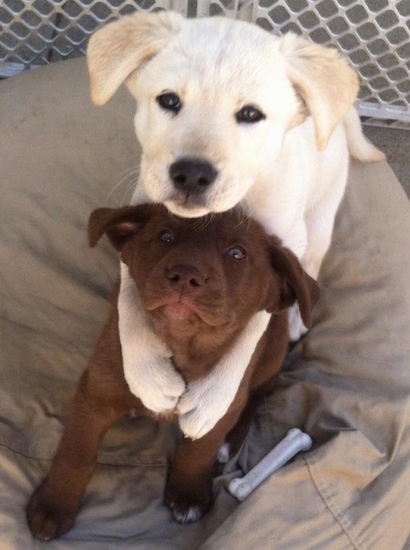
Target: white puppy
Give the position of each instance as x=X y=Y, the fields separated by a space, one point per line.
x=228 y=113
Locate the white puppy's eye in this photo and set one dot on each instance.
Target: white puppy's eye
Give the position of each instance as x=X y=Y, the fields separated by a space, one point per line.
x=236 y=252
x=249 y=114
x=166 y=237
x=169 y=101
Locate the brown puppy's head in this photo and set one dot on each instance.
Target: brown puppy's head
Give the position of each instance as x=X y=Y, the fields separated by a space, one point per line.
x=213 y=272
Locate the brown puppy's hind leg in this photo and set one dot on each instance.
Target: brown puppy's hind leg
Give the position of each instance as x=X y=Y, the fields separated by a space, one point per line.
x=101 y=397
x=54 y=505
x=238 y=433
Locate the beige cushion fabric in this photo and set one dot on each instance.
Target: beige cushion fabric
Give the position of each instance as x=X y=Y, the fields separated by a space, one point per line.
x=347 y=383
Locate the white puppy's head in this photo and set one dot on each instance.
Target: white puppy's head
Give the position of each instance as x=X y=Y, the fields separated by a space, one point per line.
x=215 y=98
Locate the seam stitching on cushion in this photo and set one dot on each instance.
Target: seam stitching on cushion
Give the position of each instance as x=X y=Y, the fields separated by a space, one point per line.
x=102 y=459
x=331 y=505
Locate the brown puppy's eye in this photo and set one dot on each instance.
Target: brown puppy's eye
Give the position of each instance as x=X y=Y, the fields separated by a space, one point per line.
x=236 y=252
x=166 y=237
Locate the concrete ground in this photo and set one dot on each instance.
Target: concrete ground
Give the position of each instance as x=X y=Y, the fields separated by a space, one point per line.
x=395 y=144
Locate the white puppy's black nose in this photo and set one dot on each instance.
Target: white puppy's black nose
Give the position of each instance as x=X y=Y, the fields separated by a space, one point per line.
x=192 y=175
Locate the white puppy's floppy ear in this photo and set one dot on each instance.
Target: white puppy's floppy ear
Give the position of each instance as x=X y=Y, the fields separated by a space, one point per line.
x=324 y=80
x=119 y=48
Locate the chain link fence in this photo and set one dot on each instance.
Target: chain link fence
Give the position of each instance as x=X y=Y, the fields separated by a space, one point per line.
x=373 y=34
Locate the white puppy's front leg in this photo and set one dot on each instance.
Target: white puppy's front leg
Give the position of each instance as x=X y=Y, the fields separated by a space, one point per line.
x=147 y=364
x=208 y=399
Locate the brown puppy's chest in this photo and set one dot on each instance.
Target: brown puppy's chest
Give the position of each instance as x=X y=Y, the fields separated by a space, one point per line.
x=196 y=350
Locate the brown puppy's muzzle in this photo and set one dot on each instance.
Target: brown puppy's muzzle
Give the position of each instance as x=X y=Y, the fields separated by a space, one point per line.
x=178 y=291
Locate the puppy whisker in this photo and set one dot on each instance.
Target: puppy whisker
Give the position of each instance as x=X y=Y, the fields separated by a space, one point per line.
x=201 y=223
x=129 y=180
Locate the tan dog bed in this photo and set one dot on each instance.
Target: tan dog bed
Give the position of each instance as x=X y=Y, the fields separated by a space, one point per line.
x=347 y=383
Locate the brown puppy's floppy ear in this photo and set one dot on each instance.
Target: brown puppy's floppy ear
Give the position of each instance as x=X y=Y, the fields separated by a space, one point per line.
x=119 y=48
x=119 y=224
x=324 y=80
x=296 y=284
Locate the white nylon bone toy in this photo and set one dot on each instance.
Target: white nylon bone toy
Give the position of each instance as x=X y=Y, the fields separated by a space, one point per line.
x=295 y=441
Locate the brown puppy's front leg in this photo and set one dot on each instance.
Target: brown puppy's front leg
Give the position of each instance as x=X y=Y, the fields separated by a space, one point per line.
x=54 y=505
x=188 y=490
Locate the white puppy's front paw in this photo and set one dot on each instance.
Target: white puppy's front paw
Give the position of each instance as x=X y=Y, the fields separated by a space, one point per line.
x=200 y=408
x=159 y=386
x=296 y=327
x=147 y=364
x=207 y=400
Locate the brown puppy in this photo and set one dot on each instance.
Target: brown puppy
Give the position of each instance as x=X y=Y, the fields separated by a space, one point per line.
x=200 y=281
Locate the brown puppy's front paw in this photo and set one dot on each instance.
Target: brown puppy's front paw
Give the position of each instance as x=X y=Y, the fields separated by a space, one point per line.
x=46 y=519
x=186 y=514
x=188 y=506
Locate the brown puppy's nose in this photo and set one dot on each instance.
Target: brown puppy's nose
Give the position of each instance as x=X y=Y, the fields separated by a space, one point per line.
x=185 y=275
